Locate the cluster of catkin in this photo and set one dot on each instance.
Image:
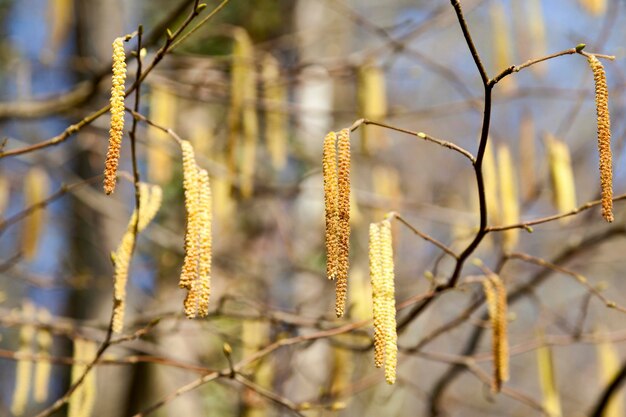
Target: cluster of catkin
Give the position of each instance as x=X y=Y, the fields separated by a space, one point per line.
x=336 y=172
x=196 y=270
x=495 y=292
x=604 y=137
x=383 y=297
x=43 y=339
x=116 y=130
x=150 y=197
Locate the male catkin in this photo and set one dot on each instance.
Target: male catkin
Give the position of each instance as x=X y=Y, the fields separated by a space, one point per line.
x=604 y=137
x=508 y=197
x=388 y=278
x=343 y=224
x=376 y=276
x=276 y=119
x=191 y=187
x=43 y=366
x=36 y=188
x=205 y=243
x=117 y=116
x=496 y=303
x=329 y=171
x=24 y=366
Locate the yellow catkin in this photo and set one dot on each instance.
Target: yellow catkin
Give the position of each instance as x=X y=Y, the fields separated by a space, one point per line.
x=509 y=197
x=242 y=78
x=527 y=153
x=117 y=116
x=386 y=184
x=495 y=293
x=537 y=33
x=82 y=400
x=609 y=360
x=36 y=188
x=376 y=276
x=594 y=7
x=372 y=100
x=561 y=175
x=604 y=137
x=249 y=120
x=343 y=223
x=547 y=382
x=276 y=120
x=388 y=287
x=205 y=243
x=490 y=178
x=224 y=203
x=24 y=366
x=162 y=111
x=502 y=45
x=43 y=366
x=329 y=171
x=149 y=204
x=191 y=187
x=60 y=14
x=5 y=193
x=360 y=294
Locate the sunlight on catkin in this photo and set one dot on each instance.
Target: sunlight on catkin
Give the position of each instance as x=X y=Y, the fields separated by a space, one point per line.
x=495 y=293
x=276 y=117
x=376 y=277
x=24 y=366
x=150 y=202
x=594 y=7
x=537 y=32
x=547 y=381
x=604 y=137
x=43 y=366
x=509 y=197
x=372 y=100
x=490 y=178
x=331 y=193
x=36 y=189
x=610 y=365
x=502 y=45
x=343 y=222
x=527 y=152
x=389 y=300
x=162 y=111
x=205 y=243
x=81 y=402
x=116 y=130
x=191 y=188
x=561 y=175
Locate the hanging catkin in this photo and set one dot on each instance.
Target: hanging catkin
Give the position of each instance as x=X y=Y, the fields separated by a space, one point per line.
x=191 y=187
x=117 y=116
x=495 y=292
x=388 y=287
x=376 y=276
x=150 y=197
x=561 y=175
x=537 y=33
x=331 y=192
x=163 y=107
x=509 y=197
x=343 y=224
x=610 y=364
x=490 y=178
x=205 y=244
x=36 y=188
x=24 y=366
x=82 y=400
x=276 y=121
x=547 y=382
x=43 y=366
x=527 y=155
x=372 y=99
x=604 y=137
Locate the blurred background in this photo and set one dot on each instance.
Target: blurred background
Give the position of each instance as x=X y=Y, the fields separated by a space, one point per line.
x=309 y=67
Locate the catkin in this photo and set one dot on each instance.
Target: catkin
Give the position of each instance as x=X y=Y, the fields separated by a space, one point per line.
x=24 y=366
x=376 y=276
x=117 y=116
x=502 y=45
x=150 y=197
x=527 y=156
x=36 y=188
x=604 y=137
x=329 y=171
x=372 y=100
x=82 y=400
x=388 y=277
x=205 y=243
x=547 y=382
x=490 y=178
x=343 y=223
x=191 y=187
x=5 y=193
x=537 y=31
x=561 y=175
x=163 y=107
x=609 y=361
x=276 y=121
x=43 y=366
x=509 y=197
x=495 y=292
